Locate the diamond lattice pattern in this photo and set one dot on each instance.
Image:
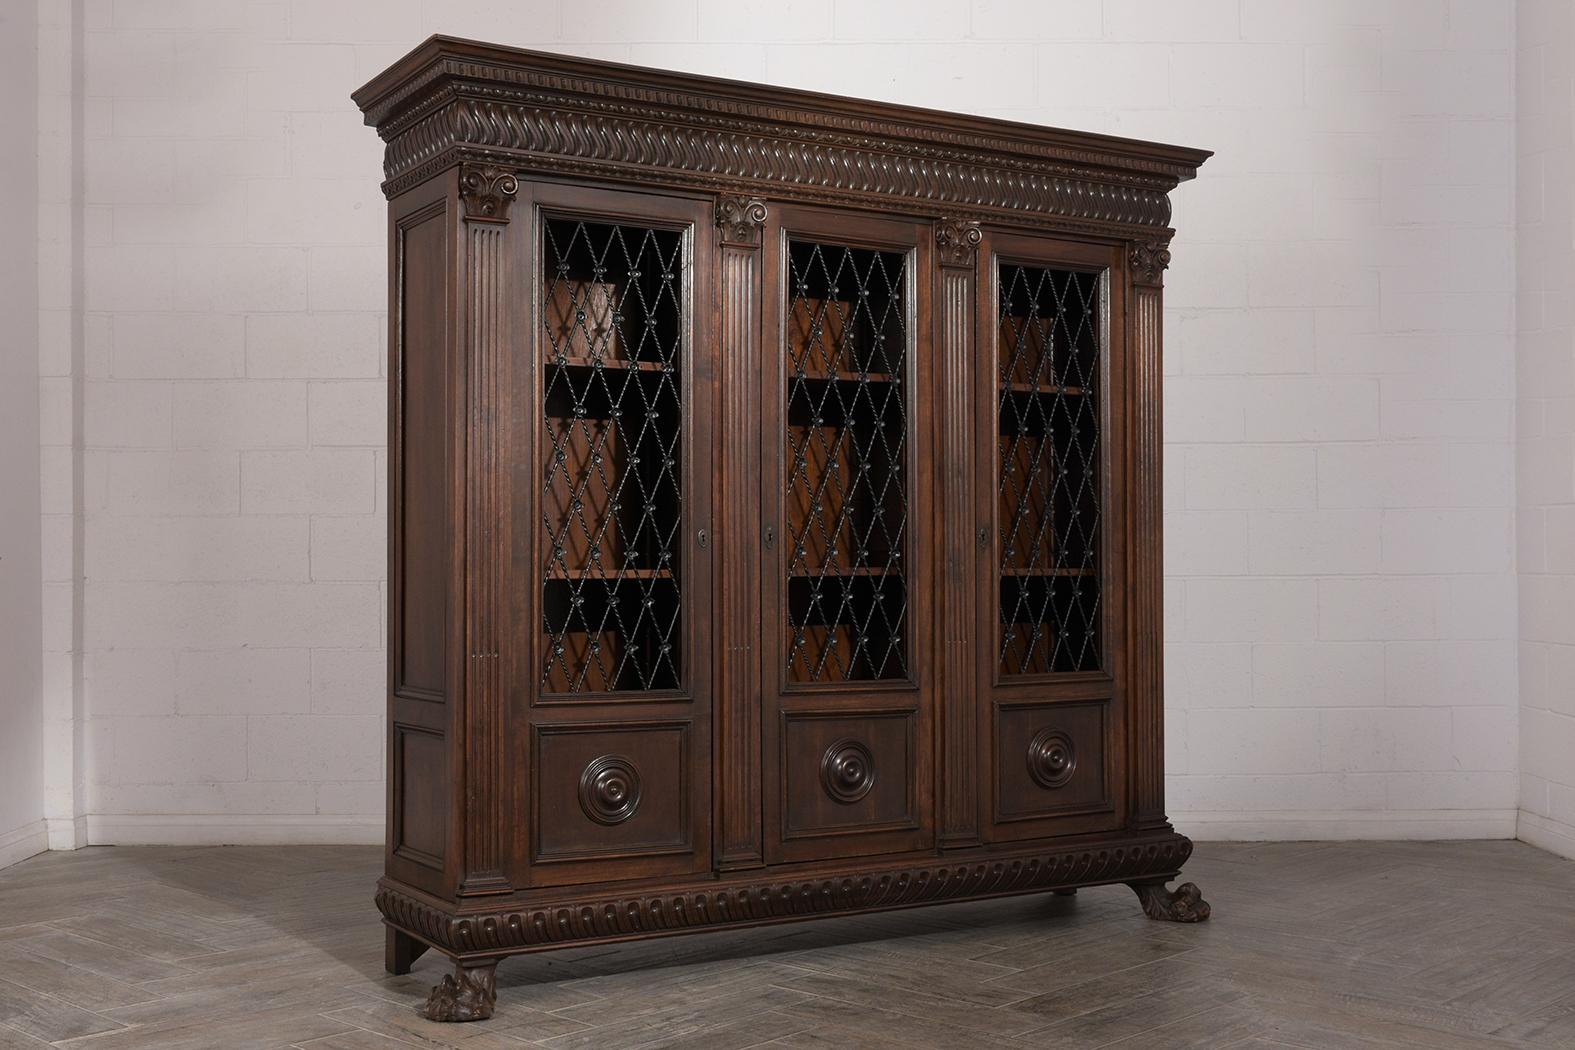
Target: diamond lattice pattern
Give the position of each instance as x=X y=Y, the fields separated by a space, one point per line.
x=1048 y=504
x=612 y=304
x=847 y=434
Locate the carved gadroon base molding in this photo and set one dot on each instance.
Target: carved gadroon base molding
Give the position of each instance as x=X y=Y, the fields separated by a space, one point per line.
x=717 y=905
x=1186 y=904
x=470 y=993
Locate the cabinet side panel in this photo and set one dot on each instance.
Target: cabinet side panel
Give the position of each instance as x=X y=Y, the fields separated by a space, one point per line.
x=420 y=538
x=422 y=616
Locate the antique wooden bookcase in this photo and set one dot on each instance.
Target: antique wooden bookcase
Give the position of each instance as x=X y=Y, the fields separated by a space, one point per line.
x=774 y=508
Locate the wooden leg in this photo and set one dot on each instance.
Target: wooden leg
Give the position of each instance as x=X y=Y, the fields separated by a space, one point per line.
x=1186 y=904
x=400 y=951
x=469 y=994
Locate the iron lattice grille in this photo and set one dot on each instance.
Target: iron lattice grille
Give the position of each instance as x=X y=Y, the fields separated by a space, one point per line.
x=1048 y=496
x=847 y=432
x=613 y=310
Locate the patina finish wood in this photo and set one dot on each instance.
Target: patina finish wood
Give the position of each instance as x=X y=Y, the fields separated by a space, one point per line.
x=775 y=508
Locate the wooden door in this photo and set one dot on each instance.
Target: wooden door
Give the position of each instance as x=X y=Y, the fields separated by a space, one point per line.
x=1051 y=455
x=618 y=615
x=846 y=585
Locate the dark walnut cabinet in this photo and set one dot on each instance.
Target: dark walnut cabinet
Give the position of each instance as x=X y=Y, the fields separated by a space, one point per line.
x=774 y=508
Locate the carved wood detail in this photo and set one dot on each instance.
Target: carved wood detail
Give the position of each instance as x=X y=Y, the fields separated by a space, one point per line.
x=740 y=218
x=1146 y=587
x=728 y=903
x=453 y=101
x=470 y=993
x=1186 y=904
x=1149 y=260
x=739 y=841
x=487 y=192
x=959 y=583
x=957 y=241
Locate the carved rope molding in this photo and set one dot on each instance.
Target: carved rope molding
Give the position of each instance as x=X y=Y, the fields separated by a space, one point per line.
x=547 y=138
x=752 y=903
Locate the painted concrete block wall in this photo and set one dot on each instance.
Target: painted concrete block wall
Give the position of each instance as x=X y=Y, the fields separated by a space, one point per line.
x=1340 y=390
x=1545 y=412
x=22 y=831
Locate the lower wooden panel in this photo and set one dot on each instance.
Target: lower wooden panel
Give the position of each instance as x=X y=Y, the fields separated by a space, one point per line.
x=849 y=784
x=612 y=801
x=1052 y=769
x=420 y=808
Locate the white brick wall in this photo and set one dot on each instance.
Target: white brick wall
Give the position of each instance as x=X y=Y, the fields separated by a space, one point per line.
x=1545 y=410
x=1340 y=603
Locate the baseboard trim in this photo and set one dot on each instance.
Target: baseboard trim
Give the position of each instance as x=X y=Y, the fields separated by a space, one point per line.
x=67 y=833
x=232 y=830
x=29 y=840
x=1545 y=833
x=1312 y=825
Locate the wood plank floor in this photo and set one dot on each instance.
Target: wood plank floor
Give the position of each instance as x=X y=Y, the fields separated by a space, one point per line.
x=1373 y=946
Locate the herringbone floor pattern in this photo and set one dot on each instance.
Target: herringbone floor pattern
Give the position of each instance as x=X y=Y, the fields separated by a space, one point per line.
x=1372 y=946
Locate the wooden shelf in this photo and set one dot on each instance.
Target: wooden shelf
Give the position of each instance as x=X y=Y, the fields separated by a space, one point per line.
x=613 y=576
x=1045 y=388
x=611 y=364
x=1048 y=572
x=844 y=376
x=847 y=570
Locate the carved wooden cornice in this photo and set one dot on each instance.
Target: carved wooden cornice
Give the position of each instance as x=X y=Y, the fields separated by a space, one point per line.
x=453 y=100
x=717 y=905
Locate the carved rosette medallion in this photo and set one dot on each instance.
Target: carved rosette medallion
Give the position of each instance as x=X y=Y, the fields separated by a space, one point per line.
x=740 y=218
x=847 y=771
x=610 y=790
x=487 y=192
x=1051 y=758
x=1149 y=260
x=957 y=240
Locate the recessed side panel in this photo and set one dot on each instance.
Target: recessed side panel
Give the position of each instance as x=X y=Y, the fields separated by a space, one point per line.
x=423 y=397
x=420 y=773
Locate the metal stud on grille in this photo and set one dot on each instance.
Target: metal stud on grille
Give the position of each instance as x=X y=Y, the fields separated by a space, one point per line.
x=612 y=306
x=1048 y=505
x=847 y=432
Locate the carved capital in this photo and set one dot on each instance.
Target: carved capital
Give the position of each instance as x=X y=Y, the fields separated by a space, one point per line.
x=740 y=218
x=958 y=241
x=1149 y=259
x=487 y=192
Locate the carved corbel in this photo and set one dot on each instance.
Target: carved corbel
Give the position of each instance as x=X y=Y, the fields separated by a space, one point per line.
x=740 y=218
x=487 y=191
x=1149 y=259
x=957 y=240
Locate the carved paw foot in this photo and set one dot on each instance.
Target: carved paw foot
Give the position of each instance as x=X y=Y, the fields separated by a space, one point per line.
x=468 y=994
x=1186 y=904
